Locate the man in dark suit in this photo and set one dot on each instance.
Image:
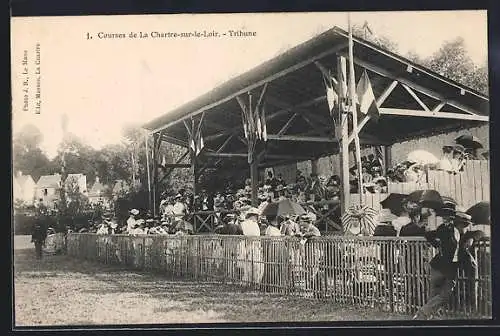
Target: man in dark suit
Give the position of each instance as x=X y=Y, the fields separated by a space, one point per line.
x=443 y=266
x=467 y=261
x=39 y=233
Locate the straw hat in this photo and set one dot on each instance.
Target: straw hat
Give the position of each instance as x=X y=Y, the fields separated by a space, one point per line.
x=134 y=212
x=463 y=218
x=252 y=211
x=386 y=216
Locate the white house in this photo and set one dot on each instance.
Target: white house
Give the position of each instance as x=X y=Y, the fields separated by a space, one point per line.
x=24 y=188
x=77 y=180
x=96 y=192
x=47 y=189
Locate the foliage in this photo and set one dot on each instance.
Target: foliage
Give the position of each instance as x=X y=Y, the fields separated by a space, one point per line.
x=27 y=155
x=127 y=161
x=380 y=40
x=452 y=61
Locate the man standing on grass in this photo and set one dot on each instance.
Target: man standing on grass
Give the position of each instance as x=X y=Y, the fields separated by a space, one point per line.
x=39 y=234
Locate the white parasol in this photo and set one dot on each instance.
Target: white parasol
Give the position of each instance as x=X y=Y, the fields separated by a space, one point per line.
x=422 y=157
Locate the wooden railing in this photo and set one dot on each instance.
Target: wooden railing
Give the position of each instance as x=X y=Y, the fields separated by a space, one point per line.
x=388 y=274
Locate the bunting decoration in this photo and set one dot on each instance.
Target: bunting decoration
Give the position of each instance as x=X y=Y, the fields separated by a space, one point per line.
x=379 y=154
x=366 y=98
x=254 y=122
x=197 y=144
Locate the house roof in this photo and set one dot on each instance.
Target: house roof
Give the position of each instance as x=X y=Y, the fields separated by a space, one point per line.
x=96 y=189
x=49 y=181
x=296 y=91
x=22 y=179
x=76 y=176
x=120 y=185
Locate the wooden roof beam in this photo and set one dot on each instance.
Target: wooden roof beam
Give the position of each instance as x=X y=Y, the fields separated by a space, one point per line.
x=419 y=68
x=300 y=138
x=382 y=72
x=430 y=114
x=283 y=110
x=257 y=84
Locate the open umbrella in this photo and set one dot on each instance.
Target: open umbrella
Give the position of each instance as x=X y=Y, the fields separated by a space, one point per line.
x=363 y=217
x=469 y=141
x=422 y=156
x=282 y=208
x=394 y=202
x=427 y=198
x=480 y=213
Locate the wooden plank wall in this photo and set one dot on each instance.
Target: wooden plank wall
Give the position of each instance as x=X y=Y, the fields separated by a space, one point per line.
x=468 y=187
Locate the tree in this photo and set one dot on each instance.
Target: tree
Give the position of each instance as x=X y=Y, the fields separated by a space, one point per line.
x=27 y=154
x=80 y=157
x=453 y=61
x=363 y=31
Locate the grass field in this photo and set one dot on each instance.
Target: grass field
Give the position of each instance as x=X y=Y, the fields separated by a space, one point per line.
x=59 y=290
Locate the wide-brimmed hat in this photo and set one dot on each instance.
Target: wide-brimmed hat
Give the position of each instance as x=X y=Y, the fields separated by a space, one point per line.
x=308 y=217
x=252 y=211
x=380 y=180
x=134 y=212
x=463 y=218
x=386 y=216
x=446 y=210
x=178 y=196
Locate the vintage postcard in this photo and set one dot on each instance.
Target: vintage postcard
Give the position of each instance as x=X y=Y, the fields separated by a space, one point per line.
x=251 y=168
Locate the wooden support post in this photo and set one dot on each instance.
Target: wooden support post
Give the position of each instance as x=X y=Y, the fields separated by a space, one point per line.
x=254 y=177
x=352 y=95
x=314 y=166
x=387 y=158
x=156 y=139
x=343 y=130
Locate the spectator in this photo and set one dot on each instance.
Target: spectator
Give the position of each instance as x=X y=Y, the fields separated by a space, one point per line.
x=416 y=227
x=289 y=227
x=385 y=228
x=251 y=250
x=279 y=180
x=467 y=261
x=131 y=221
x=443 y=269
x=39 y=235
x=312 y=254
x=367 y=177
x=179 y=208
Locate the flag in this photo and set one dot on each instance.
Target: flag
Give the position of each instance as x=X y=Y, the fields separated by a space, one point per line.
x=259 y=126
x=199 y=143
x=263 y=122
x=366 y=98
x=367 y=27
x=342 y=87
x=379 y=154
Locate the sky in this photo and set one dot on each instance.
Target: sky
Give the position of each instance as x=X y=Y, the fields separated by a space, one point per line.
x=103 y=84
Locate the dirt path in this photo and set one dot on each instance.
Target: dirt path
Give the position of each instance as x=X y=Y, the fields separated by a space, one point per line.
x=63 y=291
